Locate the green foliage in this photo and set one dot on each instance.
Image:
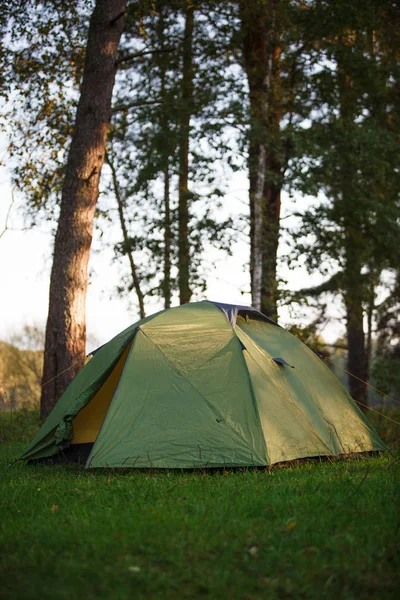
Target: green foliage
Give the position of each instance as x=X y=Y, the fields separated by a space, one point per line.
x=145 y=138
x=350 y=158
x=41 y=59
x=42 y=56
x=347 y=152
x=386 y=375
x=308 y=335
x=386 y=367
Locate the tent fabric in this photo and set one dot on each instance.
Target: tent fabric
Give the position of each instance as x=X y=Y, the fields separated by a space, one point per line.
x=87 y=423
x=232 y=310
x=57 y=431
x=203 y=386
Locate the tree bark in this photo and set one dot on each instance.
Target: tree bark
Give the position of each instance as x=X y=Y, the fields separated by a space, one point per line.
x=167 y=241
x=166 y=154
x=353 y=288
x=272 y=213
x=183 y=201
x=261 y=54
x=66 y=322
x=125 y=236
x=353 y=297
x=370 y=313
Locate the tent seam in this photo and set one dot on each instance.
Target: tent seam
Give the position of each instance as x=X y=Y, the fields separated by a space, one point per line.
x=211 y=407
x=253 y=395
x=92 y=453
x=290 y=400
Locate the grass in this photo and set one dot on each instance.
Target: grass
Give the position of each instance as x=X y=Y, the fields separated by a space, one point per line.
x=315 y=530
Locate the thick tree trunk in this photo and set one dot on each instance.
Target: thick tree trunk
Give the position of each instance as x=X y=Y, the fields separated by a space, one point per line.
x=261 y=53
x=66 y=322
x=183 y=203
x=125 y=237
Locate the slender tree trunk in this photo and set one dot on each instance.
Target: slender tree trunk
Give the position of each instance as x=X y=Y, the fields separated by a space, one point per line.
x=272 y=198
x=66 y=323
x=167 y=151
x=125 y=236
x=167 y=240
x=261 y=53
x=183 y=202
x=353 y=296
x=370 y=313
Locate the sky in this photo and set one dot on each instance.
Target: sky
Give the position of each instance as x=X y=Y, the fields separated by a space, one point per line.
x=25 y=263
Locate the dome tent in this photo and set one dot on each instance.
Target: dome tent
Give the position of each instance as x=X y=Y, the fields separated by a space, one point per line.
x=204 y=385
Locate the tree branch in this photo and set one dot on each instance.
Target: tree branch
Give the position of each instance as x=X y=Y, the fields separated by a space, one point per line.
x=134 y=272
x=124 y=107
x=8 y=214
x=119 y=16
x=333 y=284
x=135 y=55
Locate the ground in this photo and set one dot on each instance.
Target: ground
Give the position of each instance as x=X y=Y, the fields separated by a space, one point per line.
x=311 y=530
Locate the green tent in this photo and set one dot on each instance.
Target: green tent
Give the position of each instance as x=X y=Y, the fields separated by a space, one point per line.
x=203 y=385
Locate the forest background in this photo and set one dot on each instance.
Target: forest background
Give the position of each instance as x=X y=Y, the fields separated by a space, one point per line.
x=267 y=131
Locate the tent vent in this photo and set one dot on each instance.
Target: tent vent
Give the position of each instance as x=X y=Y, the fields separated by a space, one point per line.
x=282 y=361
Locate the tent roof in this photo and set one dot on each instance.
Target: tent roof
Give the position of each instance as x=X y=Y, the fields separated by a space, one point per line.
x=231 y=312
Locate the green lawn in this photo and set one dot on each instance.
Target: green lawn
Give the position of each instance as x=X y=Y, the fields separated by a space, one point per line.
x=315 y=530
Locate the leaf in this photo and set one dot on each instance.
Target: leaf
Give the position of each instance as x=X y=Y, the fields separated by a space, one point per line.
x=55 y=508
x=253 y=551
x=134 y=569
x=288 y=527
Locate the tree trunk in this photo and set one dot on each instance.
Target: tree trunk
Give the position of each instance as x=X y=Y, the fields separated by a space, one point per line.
x=167 y=150
x=353 y=297
x=183 y=202
x=167 y=241
x=125 y=236
x=272 y=213
x=261 y=54
x=66 y=322
x=353 y=280
x=370 y=313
